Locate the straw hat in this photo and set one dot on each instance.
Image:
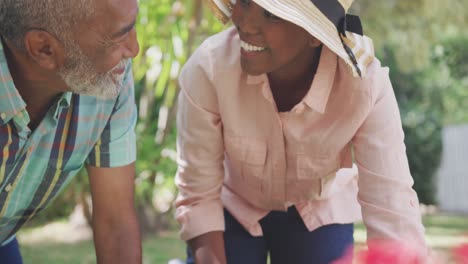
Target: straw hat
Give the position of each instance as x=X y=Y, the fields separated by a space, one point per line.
x=326 y=20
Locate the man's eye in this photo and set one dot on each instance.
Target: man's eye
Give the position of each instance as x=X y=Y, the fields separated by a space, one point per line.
x=271 y=16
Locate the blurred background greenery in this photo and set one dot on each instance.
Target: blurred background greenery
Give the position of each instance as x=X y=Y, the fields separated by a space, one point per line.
x=422 y=41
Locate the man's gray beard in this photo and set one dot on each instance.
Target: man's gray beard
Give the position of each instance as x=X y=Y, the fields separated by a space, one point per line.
x=80 y=76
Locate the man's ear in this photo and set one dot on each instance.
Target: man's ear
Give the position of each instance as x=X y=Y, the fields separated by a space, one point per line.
x=45 y=49
x=314 y=43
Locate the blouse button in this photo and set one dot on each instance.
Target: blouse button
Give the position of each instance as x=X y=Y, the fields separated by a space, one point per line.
x=300 y=109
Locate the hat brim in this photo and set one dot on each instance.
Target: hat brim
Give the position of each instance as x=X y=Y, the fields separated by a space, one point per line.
x=305 y=14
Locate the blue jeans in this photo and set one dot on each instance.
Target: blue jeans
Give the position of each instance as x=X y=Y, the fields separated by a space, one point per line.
x=286 y=239
x=10 y=253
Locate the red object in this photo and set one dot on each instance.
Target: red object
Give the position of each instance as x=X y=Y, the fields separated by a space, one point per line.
x=461 y=254
x=388 y=252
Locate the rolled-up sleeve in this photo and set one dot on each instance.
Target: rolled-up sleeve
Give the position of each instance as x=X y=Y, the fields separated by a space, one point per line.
x=389 y=204
x=200 y=150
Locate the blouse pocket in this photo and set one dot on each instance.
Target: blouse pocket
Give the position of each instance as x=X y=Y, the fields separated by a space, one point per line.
x=255 y=157
x=247 y=157
x=315 y=175
x=309 y=168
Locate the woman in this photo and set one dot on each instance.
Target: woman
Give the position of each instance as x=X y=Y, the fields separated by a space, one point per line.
x=272 y=114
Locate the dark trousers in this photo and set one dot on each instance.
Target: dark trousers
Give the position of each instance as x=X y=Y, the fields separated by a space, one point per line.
x=10 y=253
x=286 y=239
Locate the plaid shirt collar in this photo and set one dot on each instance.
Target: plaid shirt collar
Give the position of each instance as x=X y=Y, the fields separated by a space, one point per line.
x=12 y=103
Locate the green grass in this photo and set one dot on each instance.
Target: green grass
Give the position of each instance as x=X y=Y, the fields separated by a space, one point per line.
x=451 y=224
x=443 y=232
x=157 y=250
x=163 y=248
x=53 y=253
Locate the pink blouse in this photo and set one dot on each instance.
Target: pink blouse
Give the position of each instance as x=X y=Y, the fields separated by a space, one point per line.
x=235 y=150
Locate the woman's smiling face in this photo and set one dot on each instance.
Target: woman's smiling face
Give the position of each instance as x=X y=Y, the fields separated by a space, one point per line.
x=270 y=44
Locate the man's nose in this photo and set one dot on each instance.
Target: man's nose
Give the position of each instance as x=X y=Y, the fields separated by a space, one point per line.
x=132 y=47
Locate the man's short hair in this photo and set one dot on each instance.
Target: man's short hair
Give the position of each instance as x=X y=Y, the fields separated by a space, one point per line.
x=57 y=17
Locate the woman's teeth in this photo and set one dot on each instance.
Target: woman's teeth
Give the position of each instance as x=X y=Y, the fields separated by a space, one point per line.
x=250 y=48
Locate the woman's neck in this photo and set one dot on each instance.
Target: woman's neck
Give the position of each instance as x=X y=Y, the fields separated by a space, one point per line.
x=299 y=74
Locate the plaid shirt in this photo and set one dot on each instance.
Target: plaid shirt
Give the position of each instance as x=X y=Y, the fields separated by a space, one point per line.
x=36 y=165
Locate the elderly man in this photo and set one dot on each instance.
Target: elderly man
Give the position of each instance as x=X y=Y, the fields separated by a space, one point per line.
x=66 y=100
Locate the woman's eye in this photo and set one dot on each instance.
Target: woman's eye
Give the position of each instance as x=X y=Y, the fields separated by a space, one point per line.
x=271 y=16
x=244 y=2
